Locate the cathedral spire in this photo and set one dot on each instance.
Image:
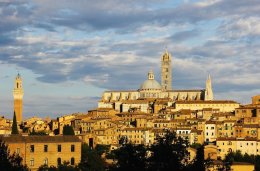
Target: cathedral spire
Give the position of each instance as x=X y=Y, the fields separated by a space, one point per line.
x=208 y=91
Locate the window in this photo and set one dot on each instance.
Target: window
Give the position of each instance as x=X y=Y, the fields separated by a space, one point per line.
x=32 y=148
x=32 y=162
x=18 y=150
x=59 y=161
x=45 y=148
x=59 y=148
x=72 y=161
x=72 y=148
x=46 y=161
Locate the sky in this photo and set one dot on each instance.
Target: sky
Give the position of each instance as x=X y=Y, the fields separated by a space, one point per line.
x=69 y=52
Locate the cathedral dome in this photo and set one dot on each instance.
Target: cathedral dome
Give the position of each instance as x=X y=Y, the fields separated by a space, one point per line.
x=150 y=83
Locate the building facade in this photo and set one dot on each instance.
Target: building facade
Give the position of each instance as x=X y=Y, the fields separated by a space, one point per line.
x=150 y=88
x=45 y=150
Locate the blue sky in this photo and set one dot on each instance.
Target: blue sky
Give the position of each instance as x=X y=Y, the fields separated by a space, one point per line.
x=69 y=52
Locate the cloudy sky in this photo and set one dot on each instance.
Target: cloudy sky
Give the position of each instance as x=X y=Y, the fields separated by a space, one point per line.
x=69 y=52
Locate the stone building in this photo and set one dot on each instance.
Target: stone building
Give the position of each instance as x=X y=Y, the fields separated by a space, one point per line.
x=49 y=150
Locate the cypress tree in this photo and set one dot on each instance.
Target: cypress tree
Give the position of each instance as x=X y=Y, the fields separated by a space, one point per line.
x=14 y=126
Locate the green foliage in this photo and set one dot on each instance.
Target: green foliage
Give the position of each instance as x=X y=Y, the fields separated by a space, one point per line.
x=130 y=157
x=63 y=167
x=199 y=163
x=90 y=159
x=101 y=149
x=68 y=130
x=66 y=167
x=170 y=152
x=47 y=168
x=238 y=157
x=11 y=161
x=196 y=145
x=14 y=126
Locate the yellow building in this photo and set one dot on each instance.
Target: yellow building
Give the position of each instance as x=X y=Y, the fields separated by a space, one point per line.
x=256 y=100
x=222 y=105
x=49 y=150
x=242 y=166
x=235 y=166
x=18 y=98
x=138 y=135
x=210 y=152
x=244 y=145
x=247 y=111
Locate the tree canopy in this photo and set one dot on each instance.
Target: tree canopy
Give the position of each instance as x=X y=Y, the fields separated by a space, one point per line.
x=14 y=126
x=90 y=159
x=11 y=161
x=68 y=130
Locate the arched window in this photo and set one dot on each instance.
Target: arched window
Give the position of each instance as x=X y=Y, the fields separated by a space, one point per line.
x=59 y=161
x=46 y=161
x=72 y=161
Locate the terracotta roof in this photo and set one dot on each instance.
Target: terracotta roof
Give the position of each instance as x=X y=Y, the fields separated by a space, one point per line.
x=226 y=139
x=249 y=107
x=250 y=126
x=40 y=139
x=136 y=102
x=210 y=122
x=236 y=139
x=101 y=109
x=241 y=163
x=197 y=131
x=119 y=91
x=136 y=129
x=194 y=90
x=206 y=102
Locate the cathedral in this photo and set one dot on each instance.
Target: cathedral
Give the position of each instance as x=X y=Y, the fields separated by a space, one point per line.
x=152 y=89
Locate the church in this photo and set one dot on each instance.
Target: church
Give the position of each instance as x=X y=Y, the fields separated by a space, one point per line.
x=151 y=89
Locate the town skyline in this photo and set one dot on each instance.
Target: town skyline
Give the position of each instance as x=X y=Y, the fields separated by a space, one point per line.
x=67 y=59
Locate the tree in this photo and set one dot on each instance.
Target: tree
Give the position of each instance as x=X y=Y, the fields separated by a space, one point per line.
x=101 y=149
x=169 y=153
x=11 y=161
x=47 y=168
x=14 y=126
x=68 y=130
x=130 y=157
x=199 y=162
x=62 y=167
x=90 y=160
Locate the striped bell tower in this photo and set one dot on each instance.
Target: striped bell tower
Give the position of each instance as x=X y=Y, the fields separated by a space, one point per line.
x=166 y=71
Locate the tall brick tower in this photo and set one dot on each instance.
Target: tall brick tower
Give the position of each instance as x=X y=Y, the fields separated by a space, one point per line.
x=166 y=71
x=18 y=98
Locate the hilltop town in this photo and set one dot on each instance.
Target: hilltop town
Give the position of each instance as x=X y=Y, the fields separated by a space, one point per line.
x=140 y=116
